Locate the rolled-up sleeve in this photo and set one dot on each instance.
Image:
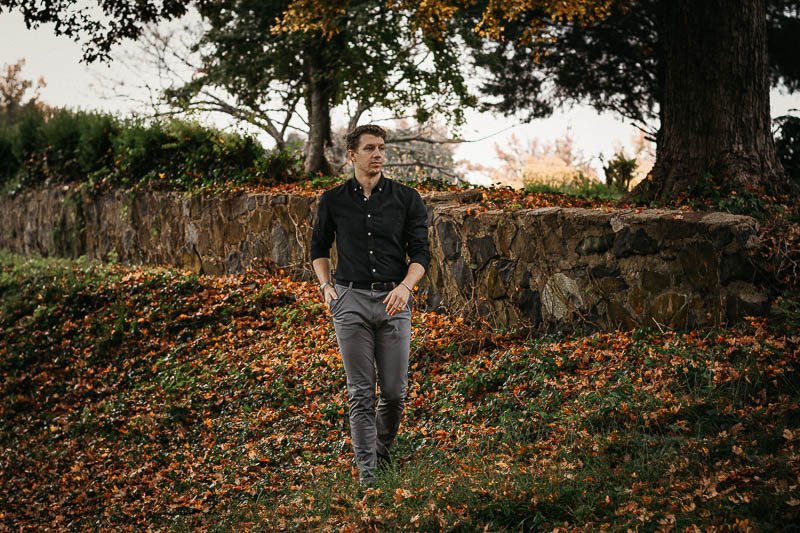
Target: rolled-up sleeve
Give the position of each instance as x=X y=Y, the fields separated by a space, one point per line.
x=324 y=231
x=416 y=232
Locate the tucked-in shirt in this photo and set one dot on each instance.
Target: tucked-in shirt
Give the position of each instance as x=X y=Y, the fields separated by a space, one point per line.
x=373 y=235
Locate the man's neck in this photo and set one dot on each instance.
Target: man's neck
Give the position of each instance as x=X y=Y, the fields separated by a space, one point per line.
x=368 y=182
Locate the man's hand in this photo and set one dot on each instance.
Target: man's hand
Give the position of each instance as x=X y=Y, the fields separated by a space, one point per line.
x=329 y=294
x=397 y=299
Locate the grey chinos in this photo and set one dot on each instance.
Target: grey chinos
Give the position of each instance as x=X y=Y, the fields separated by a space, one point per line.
x=373 y=345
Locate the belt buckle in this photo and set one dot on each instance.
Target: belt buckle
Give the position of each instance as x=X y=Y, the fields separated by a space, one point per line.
x=382 y=285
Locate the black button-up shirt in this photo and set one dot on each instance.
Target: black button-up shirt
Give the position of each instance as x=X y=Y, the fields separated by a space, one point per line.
x=373 y=235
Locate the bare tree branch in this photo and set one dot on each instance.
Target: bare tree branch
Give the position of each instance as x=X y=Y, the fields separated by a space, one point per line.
x=167 y=57
x=421 y=138
x=447 y=172
x=361 y=107
x=649 y=134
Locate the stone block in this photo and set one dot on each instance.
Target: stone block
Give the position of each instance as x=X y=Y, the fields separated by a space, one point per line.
x=736 y=267
x=505 y=232
x=595 y=244
x=279 y=199
x=636 y=301
x=281 y=247
x=561 y=296
x=604 y=270
x=189 y=259
x=634 y=241
x=723 y=227
x=233 y=233
x=233 y=261
x=670 y=308
x=611 y=285
x=462 y=277
x=481 y=250
x=698 y=265
x=653 y=282
x=744 y=299
x=449 y=239
x=530 y=305
x=499 y=273
x=617 y=315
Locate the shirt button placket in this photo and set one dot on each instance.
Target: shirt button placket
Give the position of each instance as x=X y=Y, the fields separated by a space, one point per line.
x=370 y=243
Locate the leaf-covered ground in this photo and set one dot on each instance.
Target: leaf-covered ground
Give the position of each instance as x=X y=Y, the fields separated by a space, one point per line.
x=149 y=398
x=490 y=198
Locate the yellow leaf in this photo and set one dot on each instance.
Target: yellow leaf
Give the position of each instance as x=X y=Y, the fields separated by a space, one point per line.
x=402 y=494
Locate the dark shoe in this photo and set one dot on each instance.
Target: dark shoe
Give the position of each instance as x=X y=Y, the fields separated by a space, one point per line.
x=367 y=482
x=385 y=462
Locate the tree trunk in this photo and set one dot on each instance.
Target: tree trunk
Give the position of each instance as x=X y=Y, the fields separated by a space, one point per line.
x=318 y=102
x=714 y=106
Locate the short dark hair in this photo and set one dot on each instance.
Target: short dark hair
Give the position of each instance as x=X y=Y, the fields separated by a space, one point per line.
x=352 y=138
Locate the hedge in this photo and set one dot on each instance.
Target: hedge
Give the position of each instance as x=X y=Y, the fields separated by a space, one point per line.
x=45 y=146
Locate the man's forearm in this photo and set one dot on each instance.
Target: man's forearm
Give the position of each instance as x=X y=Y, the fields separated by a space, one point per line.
x=322 y=268
x=415 y=273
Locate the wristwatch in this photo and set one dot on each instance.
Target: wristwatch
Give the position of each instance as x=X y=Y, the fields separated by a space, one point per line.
x=322 y=287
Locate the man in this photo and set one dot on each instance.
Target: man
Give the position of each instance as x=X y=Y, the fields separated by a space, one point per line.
x=376 y=222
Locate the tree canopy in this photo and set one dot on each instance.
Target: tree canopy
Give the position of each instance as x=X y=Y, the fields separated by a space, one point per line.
x=372 y=60
x=612 y=63
x=366 y=53
x=703 y=63
x=97 y=26
x=701 y=66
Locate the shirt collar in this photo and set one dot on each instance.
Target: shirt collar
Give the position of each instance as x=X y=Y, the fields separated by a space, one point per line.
x=355 y=186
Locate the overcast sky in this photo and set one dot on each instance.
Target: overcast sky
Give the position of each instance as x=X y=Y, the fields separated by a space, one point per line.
x=74 y=84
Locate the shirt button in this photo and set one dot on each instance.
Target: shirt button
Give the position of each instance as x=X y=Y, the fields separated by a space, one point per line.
x=369 y=216
x=373 y=270
x=369 y=234
x=365 y=198
x=371 y=251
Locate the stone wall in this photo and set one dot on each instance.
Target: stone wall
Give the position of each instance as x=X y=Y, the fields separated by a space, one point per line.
x=544 y=268
x=555 y=266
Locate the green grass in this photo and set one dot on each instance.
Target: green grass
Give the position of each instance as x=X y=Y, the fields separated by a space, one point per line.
x=598 y=191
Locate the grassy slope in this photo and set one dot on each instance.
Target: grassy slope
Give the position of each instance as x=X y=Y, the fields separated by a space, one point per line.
x=151 y=397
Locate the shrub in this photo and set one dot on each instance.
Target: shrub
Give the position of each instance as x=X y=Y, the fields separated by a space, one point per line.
x=281 y=166
x=62 y=134
x=30 y=132
x=64 y=145
x=9 y=161
x=96 y=146
x=29 y=144
x=208 y=156
x=787 y=145
x=620 y=171
x=183 y=154
x=137 y=152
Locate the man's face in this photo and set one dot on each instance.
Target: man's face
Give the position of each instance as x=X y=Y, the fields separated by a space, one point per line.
x=370 y=155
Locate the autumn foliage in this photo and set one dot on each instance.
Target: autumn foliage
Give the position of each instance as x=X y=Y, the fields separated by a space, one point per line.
x=136 y=398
